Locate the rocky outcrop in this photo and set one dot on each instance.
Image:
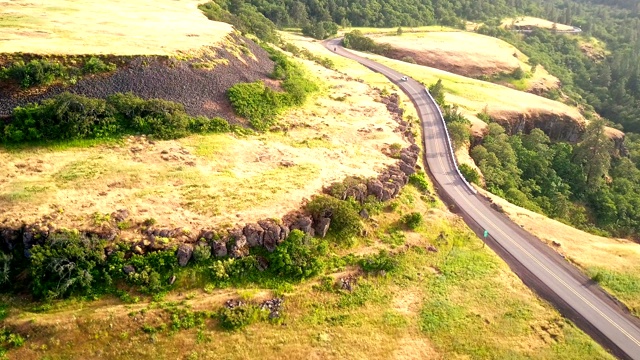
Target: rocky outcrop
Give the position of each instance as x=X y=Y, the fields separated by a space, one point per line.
x=254 y=234
x=274 y=234
x=322 y=226
x=237 y=244
x=185 y=251
x=557 y=125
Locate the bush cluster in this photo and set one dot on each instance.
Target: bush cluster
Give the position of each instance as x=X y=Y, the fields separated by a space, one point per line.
x=320 y=30
x=356 y=40
x=383 y=261
x=241 y=316
x=44 y=72
x=412 y=220
x=419 y=181
x=243 y=16
x=345 y=221
x=261 y=104
x=66 y=263
x=68 y=116
x=298 y=257
x=469 y=173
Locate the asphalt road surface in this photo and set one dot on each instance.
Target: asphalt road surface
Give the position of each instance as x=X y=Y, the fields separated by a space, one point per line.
x=536 y=264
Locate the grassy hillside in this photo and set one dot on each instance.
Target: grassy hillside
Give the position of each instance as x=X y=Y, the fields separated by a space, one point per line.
x=460 y=301
x=207 y=180
x=442 y=294
x=116 y=27
x=475 y=96
x=472 y=55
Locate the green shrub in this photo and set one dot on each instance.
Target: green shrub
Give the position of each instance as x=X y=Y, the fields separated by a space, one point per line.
x=240 y=316
x=68 y=116
x=201 y=252
x=203 y=124
x=95 y=65
x=383 y=261
x=255 y=102
x=469 y=173
x=358 y=41
x=518 y=73
x=460 y=134
x=345 y=221
x=9 y=339
x=420 y=182
x=412 y=220
x=66 y=263
x=296 y=258
x=260 y=104
x=153 y=270
x=35 y=72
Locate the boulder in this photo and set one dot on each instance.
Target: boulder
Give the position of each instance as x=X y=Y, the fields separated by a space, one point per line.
x=322 y=226
x=185 y=251
x=207 y=235
x=284 y=233
x=128 y=269
x=271 y=236
x=364 y=214
x=406 y=168
x=387 y=194
x=359 y=192
x=219 y=249
x=120 y=215
x=9 y=239
x=254 y=234
x=304 y=224
x=375 y=188
x=238 y=245
x=408 y=158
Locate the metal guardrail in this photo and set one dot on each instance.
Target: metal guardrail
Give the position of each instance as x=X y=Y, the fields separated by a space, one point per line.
x=449 y=142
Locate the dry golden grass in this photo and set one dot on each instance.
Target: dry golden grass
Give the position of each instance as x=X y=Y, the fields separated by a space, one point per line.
x=474 y=96
x=352 y=68
x=464 y=53
x=114 y=27
x=212 y=180
x=469 y=54
x=535 y=22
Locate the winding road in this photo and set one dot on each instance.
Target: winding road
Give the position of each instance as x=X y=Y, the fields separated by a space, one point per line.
x=541 y=268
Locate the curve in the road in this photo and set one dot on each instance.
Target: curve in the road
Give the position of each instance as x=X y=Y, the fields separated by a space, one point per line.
x=539 y=267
